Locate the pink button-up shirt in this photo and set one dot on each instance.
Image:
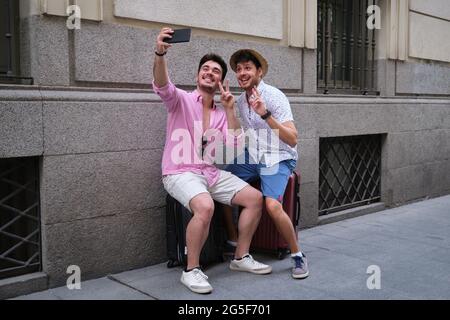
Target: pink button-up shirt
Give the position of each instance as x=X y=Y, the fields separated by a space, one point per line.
x=185 y=130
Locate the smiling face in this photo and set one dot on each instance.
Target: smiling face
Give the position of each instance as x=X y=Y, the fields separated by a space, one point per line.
x=209 y=76
x=248 y=75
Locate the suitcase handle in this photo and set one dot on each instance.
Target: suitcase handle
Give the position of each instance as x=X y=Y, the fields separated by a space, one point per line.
x=297 y=195
x=297 y=215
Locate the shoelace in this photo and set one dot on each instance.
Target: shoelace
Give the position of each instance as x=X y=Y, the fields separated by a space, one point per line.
x=252 y=261
x=298 y=262
x=199 y=275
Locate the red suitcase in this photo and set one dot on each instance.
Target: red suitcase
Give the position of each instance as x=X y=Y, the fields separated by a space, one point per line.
x=267 y=238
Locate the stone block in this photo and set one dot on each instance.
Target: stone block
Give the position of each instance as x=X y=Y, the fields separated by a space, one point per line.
x=435 y=8
x=121 y=54
x=309 y=71
x=45 y=49
x=104 y=245
x=419 y=116
x=427 y=40
x=78 y=187
x=432 y=146
x=16 y=286
x=308 y=163
x=397 y=146
x=46 y=295
x=20 y=129
x=443 y=145
x=445 y=116
x=266 y=19
x=349 y=118
x=408 y=183
x=423 y=78
x=437 y=178
x=386 y=77
x=83 y=127
x=414 y=147
x=351 y=213
x=305 y=120
x=309 y=199
x=113 y=53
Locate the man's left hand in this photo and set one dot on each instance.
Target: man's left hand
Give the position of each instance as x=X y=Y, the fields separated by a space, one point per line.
x=257 y=102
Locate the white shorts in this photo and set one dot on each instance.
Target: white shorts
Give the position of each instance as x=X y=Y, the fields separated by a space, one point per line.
x=187 y=185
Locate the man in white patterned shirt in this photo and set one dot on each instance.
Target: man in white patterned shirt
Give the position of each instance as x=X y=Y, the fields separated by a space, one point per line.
x=266 y=111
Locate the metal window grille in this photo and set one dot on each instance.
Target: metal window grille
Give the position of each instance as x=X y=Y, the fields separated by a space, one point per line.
x=346 y=47
x=20 y=249
x=9 y=44
x=349 y=172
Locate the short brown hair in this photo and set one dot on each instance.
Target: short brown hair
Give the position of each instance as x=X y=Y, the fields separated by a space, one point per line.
x=216 y=58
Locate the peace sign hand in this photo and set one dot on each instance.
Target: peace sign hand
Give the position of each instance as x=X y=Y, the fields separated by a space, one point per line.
x=226 y=97
x=257 y=102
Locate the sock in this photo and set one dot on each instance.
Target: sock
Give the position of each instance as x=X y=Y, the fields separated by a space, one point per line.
x=189 y=270
x=232 y=243
x=300 y=254
x=245 y=255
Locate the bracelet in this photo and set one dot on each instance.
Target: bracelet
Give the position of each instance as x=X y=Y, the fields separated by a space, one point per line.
x=265 y=116
x=160 y=54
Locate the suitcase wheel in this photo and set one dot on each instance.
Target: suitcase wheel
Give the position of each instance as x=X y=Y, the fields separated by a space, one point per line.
x=282 y=253
x=172 y=263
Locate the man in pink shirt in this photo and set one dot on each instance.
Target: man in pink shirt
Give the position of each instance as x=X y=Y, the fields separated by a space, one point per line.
x=193 y=181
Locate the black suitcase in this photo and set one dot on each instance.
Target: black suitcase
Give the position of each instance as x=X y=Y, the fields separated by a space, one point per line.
x=177 y=219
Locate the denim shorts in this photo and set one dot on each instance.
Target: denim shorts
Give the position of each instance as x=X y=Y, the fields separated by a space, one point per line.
x=273 y=179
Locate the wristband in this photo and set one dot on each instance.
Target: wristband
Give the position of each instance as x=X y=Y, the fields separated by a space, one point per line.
x=267 y=115
x=160 y=54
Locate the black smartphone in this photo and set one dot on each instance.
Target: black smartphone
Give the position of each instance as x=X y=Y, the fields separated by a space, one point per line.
x=180 y=35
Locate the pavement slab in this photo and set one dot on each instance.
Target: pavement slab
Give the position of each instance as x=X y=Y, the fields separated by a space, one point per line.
x=410 y=245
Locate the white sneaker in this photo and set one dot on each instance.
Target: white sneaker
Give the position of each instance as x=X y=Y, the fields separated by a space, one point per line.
x=196 y=281
x=248 y=264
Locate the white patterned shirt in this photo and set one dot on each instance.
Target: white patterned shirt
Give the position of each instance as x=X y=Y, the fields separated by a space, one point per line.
x=269 y=150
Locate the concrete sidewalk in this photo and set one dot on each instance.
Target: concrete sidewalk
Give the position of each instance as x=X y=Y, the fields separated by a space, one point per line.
x=410 y=245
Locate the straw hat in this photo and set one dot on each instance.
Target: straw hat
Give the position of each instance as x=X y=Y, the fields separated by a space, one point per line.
x=257 y=55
